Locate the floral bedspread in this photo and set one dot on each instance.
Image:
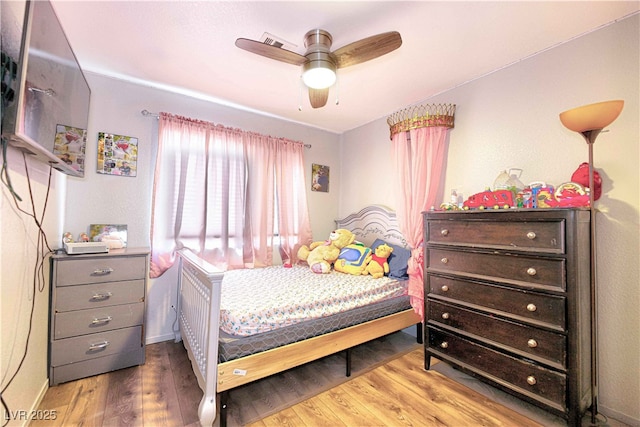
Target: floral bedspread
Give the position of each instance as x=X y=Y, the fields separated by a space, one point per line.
x=264 y=299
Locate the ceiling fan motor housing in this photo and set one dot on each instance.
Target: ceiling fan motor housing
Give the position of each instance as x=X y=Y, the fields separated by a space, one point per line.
x=317 y=41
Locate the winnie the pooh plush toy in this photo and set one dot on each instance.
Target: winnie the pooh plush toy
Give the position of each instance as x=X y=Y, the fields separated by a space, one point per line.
x=320 y=255
x=378 y=266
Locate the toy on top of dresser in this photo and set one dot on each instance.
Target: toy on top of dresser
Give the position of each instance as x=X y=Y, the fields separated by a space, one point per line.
x=538 y=194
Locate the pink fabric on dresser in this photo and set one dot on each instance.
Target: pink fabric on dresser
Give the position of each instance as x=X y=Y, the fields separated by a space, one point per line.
x=419 y=163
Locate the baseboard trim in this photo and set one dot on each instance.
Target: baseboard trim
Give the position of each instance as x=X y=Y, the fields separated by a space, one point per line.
x=159 y=338
x=618 y=416
x=36 y=404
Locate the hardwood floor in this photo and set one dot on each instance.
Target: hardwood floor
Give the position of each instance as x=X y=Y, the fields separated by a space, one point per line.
x=164 y=392
x=398 y=393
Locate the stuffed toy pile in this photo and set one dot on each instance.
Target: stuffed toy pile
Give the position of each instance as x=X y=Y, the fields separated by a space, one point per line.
x=320 y=255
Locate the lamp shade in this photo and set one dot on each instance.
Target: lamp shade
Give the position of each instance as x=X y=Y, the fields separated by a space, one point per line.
x=592 y=116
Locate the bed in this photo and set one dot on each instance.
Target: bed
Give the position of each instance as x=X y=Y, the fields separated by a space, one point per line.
x=224 y=355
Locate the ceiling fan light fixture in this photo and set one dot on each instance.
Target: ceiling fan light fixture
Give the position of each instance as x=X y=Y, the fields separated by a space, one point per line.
x=319 y=74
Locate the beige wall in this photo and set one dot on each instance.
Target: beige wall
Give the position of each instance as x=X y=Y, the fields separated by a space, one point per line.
x=19 y=293
x=510 y=119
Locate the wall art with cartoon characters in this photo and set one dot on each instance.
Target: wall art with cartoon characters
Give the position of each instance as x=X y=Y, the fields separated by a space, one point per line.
x=69 y=146
x=117 y=154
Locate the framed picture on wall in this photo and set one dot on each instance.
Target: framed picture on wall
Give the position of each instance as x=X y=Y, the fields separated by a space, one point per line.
x=319 y=178
x=117 y=154
x=69 y=146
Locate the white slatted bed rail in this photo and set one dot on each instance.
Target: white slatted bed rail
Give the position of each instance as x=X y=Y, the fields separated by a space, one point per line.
x=199 y=292
x=199 y=318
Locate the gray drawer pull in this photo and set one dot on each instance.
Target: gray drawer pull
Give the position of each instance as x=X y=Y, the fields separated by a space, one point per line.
x=102 y=296
x=444 y=288
x=444 y=260
x=531 y=235
x=531 y=271
x=48 y=92
x=444 y=232
x=99 y=346
x=531 y=307
x=531 y=380
x=102 y=271
x=444 y=344
x=445 y=316
x=101 y=320
x=532 y=343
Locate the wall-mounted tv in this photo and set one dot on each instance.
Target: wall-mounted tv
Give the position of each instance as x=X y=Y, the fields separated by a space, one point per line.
x=49 y=105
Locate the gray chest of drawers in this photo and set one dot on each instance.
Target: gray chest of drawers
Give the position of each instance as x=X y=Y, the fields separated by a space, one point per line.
x=97 y=313
x=507 y=300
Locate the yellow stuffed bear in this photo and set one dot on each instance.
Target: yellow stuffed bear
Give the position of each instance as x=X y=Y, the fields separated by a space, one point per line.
x=320 y=255
x=378 y=266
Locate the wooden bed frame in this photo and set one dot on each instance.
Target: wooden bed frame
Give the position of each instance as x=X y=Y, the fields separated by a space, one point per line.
x=199 y=301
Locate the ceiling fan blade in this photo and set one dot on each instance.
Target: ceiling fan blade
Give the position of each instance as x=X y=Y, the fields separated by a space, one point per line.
x=318 y=97
x=269 y=51
x=367 y=49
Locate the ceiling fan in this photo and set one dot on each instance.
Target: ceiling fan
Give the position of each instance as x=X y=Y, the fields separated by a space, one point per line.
x=319 y=64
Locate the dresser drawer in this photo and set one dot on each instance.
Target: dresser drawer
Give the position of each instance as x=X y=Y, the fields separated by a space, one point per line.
x=539 y=236
x=546 y=346
x=519 y=375
x=99 y=295
x=532 y=307
x=85 y=347
x=102 y=269
x=517 y=269
x=82 y=322
x=86 y=368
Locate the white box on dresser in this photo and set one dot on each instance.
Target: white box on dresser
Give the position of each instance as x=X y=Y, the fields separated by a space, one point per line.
x=97 y=313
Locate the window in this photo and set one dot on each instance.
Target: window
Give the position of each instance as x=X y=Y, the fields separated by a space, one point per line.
x=230 y=196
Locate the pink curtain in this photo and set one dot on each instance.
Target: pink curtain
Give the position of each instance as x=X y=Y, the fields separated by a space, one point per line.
x=218 y=192
x=418 y=156
x=294 y=226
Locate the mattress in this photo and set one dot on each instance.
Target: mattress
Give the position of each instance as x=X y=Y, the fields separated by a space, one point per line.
x=233 y=347
x=255 y=301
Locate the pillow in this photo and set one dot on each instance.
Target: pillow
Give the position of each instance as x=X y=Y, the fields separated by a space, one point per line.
x=353 y=259
x=397 y=261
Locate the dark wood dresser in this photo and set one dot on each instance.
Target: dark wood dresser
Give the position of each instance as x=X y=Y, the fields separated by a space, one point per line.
x=507 y=300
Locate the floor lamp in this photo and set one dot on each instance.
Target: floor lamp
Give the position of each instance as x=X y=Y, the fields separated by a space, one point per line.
x=589 y=120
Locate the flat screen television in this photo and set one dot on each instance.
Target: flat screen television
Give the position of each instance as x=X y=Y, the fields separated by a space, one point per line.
x=45 y=94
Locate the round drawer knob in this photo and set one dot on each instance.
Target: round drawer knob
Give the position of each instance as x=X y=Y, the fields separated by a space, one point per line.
x=531 y=235
x=531 y=380
x=532 y=343
x=444 y=344
x=531 y=271
x=444 y=288
x=444 y=232
x=531 y=307
x=445 y=315
x=444 y=260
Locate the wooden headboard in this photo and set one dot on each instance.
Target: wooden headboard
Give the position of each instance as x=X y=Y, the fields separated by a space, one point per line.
x=374 y=222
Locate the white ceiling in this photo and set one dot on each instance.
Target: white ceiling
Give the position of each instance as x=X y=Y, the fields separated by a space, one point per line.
x=188 y=46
